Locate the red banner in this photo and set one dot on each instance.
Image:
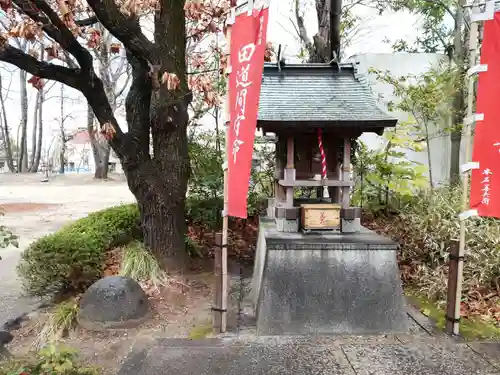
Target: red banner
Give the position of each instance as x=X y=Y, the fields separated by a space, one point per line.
x=485 y=181
x=248 y=45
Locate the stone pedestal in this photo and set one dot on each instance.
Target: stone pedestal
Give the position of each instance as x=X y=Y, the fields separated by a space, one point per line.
x=333 y=283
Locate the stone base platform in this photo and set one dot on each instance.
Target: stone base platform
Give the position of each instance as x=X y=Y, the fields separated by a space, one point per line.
x=326 y=283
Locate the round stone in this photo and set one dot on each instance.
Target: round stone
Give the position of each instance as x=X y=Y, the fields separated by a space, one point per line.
x=113 y=302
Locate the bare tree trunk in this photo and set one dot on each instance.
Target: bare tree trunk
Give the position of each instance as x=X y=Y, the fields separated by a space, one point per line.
x=23 y=143
x=326 y=43
x=61 y=156
x=429 y=160
x=6 y=131
x=62 y=151
x=34 y=142
x=35 y=165
x=100 y=150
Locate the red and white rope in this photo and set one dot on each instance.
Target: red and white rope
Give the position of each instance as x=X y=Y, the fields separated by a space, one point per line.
x=322 y=152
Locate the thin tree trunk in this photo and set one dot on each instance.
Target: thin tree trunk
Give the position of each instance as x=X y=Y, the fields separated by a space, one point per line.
x=38 y=155
x=34 y=142
x=458 y=104
x=103 y=148
x=429 y=161
x=61 y=157
x=23 y=143
x=62 y=151
x=6 y=131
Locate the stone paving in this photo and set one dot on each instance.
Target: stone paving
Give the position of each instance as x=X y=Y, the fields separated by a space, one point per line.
x=395 y=355
x=420 y=351
x=75 y=196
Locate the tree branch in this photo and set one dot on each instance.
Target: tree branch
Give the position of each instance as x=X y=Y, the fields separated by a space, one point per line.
x=54 y=26
x=22 y=60
x=301 y=26
x=125 y=29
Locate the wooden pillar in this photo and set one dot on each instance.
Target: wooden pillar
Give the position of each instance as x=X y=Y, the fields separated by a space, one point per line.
x=333 y=167
x=346 y=172
x=290 y=169
x=279 y=191
x=290 y=151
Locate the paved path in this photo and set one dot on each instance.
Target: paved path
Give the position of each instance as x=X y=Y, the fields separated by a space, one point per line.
x=76 y=197
x=374 y=355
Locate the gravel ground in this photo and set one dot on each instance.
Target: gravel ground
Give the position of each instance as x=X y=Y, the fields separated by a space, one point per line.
x=67 y=197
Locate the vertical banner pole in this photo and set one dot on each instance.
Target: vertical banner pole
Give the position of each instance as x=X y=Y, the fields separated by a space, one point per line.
x=220 y=310
x=247 y=38
x=452 y=322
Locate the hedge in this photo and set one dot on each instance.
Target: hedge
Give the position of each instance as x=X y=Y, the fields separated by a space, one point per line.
x=72 y=258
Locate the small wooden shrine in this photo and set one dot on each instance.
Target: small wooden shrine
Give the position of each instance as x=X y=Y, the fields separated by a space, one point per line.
x=317 y=270
x=315 y=111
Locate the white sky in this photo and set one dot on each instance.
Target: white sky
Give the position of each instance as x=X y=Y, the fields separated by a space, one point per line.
x=369 y=40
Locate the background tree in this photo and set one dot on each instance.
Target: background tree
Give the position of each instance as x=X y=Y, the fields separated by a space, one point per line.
x=425 y=98
x=326 y=43
x=63 y=136
x=338 y=26
x=438 y=37
x=112 y=66
x=18 y=155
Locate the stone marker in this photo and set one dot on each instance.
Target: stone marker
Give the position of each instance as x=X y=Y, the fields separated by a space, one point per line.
x=113 y=302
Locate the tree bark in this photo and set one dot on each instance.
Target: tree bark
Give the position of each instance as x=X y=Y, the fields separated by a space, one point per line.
x=159 y=186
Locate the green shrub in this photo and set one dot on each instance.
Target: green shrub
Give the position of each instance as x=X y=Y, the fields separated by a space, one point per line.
x=425 y=228
x=73 y=257
x=204 y=212
x=6 y=236
x=49 y=360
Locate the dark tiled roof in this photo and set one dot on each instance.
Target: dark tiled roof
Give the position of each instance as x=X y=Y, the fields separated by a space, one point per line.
x=318 y=93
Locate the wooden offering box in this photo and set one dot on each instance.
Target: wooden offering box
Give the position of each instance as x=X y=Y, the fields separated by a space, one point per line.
x=324 y=216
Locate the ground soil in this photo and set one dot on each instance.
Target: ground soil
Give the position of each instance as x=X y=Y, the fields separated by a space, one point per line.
x=178 y=310
x=10 y=208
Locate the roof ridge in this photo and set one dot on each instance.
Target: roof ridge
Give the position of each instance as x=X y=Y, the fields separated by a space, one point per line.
x=286 y=65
